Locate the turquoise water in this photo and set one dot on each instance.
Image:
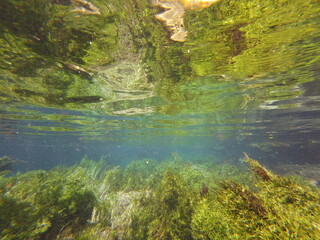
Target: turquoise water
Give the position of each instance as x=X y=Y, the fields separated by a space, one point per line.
x=109 y=84
x=138 y=119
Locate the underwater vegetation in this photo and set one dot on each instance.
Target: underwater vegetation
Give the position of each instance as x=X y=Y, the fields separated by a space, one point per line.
x=39 y=204
x=171 y=199
x=6 y=163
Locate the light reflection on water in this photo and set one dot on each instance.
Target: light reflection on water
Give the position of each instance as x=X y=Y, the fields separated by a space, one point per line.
x=107 y=85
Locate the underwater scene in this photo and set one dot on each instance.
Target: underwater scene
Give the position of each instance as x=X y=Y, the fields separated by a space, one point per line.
x=159 y=119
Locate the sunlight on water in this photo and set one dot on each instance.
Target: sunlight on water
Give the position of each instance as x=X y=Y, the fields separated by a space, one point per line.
x=165 y=102
x=96 y=71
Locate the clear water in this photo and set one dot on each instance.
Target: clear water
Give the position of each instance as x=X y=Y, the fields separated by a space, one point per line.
x=113 y=85
x=172 y=99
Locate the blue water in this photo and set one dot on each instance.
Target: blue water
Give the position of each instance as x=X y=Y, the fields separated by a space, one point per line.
x=141 y=95
x=48 y=150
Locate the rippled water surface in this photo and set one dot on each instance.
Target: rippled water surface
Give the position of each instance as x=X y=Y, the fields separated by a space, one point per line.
x=103 y=78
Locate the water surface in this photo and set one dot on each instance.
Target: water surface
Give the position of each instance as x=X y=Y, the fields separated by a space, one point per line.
x=109 y=82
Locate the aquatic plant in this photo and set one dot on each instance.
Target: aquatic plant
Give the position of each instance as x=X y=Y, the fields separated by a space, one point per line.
x=278 y=208
x=6 y=164
x=172 y=199
x=138 y=174
x=173 y=212
x=42 y=204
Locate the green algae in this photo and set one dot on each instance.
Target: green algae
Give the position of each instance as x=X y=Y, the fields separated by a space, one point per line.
x=172 y=199
x=6 y=164
x=39 y=204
